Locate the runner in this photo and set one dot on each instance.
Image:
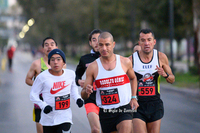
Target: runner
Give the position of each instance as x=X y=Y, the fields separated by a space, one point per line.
x=36 y=68
x=90 y=104
x=149 y=65
x=136 y=48
x=57 y=86
x=10 y=54
x=111 y=73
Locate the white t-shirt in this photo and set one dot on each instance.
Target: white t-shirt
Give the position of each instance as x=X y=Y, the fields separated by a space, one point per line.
x=56 y=92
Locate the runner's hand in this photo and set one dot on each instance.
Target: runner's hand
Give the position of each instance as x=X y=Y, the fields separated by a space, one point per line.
x=81 y=82
x=161 y=71
x=134 y=104
x=47 y=109
x=79 y=102
x=89 y=89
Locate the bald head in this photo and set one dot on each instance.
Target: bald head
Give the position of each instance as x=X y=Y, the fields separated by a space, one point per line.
x=105 y=35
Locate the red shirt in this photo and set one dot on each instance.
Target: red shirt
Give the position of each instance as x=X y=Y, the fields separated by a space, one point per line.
x=10 y=52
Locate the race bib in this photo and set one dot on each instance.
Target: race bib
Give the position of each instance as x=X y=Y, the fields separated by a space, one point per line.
x=146 y=91
x=62 y=102
x=109 y=97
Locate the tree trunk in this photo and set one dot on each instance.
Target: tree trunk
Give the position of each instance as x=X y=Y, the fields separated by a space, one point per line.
x=196 y=19
x=196 y=13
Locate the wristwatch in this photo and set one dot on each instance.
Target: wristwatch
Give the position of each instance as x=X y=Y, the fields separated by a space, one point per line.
x=135 y=97
x=167 y=75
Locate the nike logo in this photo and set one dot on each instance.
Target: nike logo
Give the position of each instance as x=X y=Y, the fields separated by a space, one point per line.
x=53 y=91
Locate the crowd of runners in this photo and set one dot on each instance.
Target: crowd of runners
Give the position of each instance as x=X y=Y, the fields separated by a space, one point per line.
x=120 y=94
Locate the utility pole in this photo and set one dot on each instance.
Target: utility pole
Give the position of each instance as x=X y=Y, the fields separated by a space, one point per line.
x=171 y=30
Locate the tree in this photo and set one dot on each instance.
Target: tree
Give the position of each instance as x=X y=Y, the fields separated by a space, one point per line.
x=69 y=21
x=196 y=12
x=115 y=17
x=66 y=21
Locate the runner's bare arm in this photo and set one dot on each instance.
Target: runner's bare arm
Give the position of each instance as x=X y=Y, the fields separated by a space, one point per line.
x=31 y=73
x=131 y=58
x=165 y=69
x=133 y=81
x=87 y=88
x=81 y=82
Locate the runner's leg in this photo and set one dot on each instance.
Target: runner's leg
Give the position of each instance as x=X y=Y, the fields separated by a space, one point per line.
x=94 y=122
x=124 y=126
x=39 y=127
x=154 y=127
x=36 y=119
x=139 y=126
x=93 y=117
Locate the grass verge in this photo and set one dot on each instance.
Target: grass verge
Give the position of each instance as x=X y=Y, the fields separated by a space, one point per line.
x=186 y=80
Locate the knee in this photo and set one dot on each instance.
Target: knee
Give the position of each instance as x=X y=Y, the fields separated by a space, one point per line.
x=95 y=129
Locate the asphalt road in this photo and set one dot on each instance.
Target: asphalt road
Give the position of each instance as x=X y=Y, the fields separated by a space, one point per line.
x=182 y=108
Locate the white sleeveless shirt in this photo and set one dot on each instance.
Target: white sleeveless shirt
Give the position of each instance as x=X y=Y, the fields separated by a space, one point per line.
x=113 y=87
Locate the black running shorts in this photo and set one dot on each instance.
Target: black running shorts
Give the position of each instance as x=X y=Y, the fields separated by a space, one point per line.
x=109 y=118
x=64 y=127
x=149 y=111
x=36 y=114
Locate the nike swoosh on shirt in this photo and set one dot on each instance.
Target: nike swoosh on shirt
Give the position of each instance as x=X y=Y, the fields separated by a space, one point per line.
x=56 y=91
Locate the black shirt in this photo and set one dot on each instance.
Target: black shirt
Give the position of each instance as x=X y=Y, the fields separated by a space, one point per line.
x=84 y=61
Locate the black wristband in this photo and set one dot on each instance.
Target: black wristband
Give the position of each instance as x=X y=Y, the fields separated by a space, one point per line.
x=167 y=75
